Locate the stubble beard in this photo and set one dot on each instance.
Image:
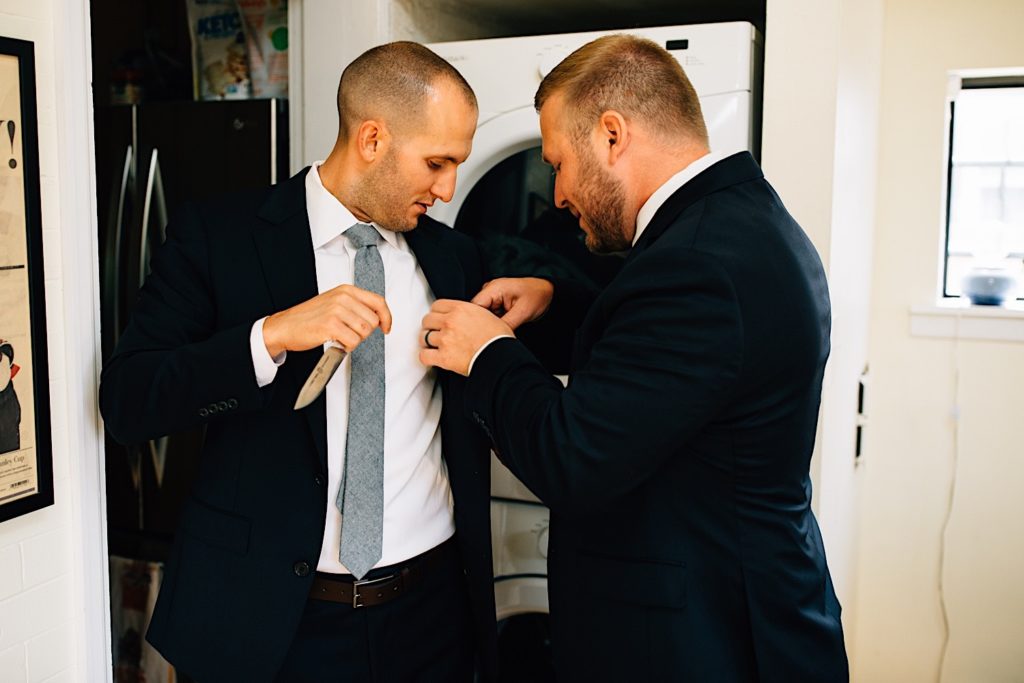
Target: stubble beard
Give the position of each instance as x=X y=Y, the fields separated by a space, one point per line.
x=384 y=194
x=603 y=204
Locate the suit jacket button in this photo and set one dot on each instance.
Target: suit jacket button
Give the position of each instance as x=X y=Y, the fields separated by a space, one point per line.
x=232 y=403
x=212 y=408
x=319 y=480
x=223 y=405
x=203 y=412
x=301 y=569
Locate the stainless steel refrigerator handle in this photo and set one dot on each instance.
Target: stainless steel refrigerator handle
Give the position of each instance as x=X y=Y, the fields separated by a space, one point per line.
x=112 y=270
x=154 y=193
x=154 y=203
x=158 y=455
x=161 y=201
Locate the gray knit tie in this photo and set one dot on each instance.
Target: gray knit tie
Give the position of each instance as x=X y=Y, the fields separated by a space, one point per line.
x=361 y=497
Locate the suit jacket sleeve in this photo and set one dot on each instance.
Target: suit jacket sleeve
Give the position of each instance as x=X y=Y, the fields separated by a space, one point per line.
x=174 y=359
x=550 y=337
x=667 y=359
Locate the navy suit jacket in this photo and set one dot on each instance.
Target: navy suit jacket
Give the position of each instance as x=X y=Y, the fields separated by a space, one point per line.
x=250 y=534
x=682 y=542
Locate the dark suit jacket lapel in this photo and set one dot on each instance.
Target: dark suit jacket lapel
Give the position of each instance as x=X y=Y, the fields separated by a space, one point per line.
x=732 y=170
x=445 y=277
x=440 y=266
x=285 y=248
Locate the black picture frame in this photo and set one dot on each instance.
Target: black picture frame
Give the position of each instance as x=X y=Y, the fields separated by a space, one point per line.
x=15 y=503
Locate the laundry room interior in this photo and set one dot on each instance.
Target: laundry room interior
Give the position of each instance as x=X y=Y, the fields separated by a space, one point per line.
x=891 y=130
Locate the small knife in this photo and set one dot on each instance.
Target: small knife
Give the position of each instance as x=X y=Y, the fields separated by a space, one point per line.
x=321 y=375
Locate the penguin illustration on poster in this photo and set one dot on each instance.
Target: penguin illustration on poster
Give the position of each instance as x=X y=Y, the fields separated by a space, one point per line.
x=10 y=408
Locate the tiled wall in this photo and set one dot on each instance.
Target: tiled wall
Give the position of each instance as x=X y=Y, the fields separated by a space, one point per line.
x=37 y=605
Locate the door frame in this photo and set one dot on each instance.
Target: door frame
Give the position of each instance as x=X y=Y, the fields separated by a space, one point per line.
x=80 y=304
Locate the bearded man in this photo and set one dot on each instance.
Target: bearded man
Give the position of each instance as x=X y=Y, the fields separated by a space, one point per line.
x=682 y=544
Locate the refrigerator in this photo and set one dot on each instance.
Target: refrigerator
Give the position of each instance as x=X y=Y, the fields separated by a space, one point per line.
x=150 y=158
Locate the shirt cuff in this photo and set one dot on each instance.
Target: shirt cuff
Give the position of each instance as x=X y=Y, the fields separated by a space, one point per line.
x=262 y=362
x=481 y=349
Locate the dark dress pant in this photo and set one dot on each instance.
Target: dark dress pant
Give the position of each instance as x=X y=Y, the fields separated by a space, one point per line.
x=425 y=634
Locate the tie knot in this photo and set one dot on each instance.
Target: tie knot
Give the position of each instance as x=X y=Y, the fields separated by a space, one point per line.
x=363 y=235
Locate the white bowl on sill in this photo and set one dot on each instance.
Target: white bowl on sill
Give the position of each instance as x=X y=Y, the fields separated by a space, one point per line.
x=989 y=286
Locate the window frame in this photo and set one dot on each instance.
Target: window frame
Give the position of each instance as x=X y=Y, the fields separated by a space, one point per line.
x=961 y=81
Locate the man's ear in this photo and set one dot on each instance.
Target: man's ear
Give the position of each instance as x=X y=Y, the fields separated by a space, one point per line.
x=371 y=138
x=614 y=134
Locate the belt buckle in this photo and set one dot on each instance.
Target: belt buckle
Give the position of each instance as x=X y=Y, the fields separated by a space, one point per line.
x=356 y=585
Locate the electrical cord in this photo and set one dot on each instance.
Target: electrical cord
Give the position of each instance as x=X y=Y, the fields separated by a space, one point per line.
x=955 y=414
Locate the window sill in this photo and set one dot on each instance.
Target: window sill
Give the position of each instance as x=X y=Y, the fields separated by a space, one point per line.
x=957 y=320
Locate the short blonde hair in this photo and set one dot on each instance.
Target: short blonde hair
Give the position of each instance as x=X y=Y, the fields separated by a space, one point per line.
x=633 y=76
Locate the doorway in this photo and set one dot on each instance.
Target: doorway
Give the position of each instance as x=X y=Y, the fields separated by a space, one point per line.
x=174 y=120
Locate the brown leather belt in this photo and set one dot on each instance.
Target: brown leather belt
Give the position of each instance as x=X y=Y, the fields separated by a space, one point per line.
x=344 y=588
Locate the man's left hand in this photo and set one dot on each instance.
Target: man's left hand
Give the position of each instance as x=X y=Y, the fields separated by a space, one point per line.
x=457 y=330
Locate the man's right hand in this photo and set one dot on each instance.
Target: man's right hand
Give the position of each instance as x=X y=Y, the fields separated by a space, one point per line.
x=345 y=314
x=517 y=300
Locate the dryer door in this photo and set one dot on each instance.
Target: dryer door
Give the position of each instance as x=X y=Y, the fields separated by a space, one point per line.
x=496 y=140
x=504 y=198
x=504 y=195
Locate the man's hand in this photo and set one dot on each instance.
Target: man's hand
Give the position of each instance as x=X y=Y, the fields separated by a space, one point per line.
x=345 y=314
x=517 y=299
x=457 y=330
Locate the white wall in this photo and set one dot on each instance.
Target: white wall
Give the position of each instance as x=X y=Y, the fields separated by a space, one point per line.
x=329 y=35
x=52 y=582
x=819 y=151
x=913 y=440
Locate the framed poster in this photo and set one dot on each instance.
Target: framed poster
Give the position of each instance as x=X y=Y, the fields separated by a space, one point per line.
x=26 y=462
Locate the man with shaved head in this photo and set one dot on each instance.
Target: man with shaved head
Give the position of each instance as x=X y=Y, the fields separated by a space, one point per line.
x=348 y=540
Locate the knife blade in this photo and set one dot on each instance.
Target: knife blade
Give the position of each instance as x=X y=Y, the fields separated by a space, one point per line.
x=321 y=375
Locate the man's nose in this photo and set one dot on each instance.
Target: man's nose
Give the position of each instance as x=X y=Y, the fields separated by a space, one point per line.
x=561 y=201
x=444 y=187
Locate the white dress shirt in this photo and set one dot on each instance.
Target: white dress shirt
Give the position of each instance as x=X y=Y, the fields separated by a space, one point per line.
x=417 y=495
x=668 y=188
x=646 y=213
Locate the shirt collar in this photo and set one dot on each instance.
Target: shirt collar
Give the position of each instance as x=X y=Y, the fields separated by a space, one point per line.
x=668 y=188
x=328 y=217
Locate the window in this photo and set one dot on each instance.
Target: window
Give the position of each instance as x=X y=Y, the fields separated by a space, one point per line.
x=985 y=202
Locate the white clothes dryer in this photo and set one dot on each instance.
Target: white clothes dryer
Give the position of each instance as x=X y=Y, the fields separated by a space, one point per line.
x=723 y=62
x=504 y=198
